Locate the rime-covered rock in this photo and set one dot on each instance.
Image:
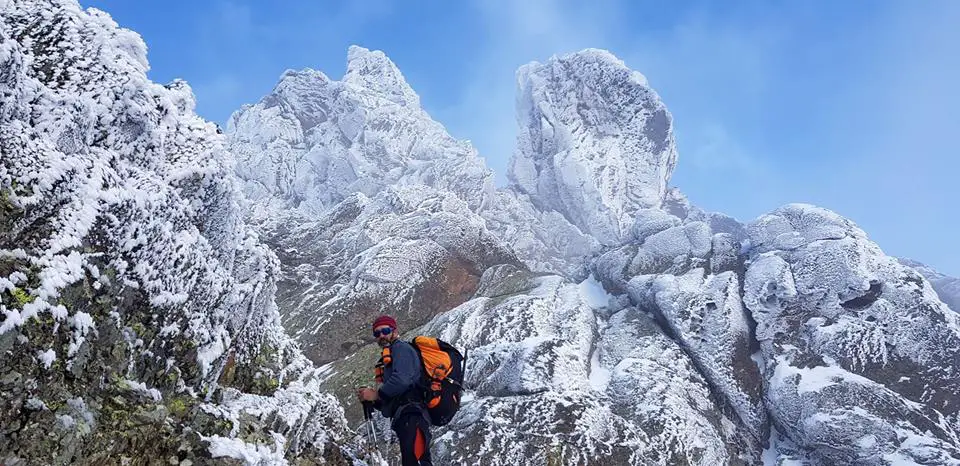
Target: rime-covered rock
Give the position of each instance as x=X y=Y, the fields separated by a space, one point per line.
x=860 y=358
x=543 y=360
x=596 y=143
x=371 y=206
x=149 y=265
x=649 y=222
x=689 y=278
x=705 y=315
x=129 y=284
x=543 y=239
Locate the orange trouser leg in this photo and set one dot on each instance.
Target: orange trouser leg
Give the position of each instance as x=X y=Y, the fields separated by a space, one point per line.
x=419 y=445
x=413 y=432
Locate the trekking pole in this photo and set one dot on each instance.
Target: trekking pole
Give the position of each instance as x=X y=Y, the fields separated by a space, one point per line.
x=368 y=416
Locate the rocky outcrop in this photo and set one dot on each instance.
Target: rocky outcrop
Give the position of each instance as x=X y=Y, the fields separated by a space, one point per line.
x=551 y=378
x=596 y=143
x=860 y=359
x=148 y=273
x=689 y=279
x=544 y=240
x=625 y=288
x=369 y=203
x=314 y=141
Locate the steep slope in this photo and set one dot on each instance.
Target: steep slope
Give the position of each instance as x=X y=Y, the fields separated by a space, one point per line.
x=545 y=386
x=138 y=313
x=596 y=146
x=412 y=251
x=864 y=325
x=947 y=288
x=544 y=240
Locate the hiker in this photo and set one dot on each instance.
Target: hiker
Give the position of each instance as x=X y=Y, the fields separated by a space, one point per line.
x=400 y=396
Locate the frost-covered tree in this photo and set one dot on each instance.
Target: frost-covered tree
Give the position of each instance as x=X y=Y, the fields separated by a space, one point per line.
x=138 y=312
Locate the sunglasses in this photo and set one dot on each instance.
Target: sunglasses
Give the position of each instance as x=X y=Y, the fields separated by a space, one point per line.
x=383 y=331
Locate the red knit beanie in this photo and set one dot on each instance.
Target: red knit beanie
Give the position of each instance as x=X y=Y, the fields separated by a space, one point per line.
x=385 y=320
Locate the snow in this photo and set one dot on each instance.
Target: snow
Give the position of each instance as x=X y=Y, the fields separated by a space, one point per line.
x=775 y=454
x=368 y=201
x=251 y=454
x=142 y=387
x=35 y=404
x=815 y=379
x=590 y=174
x=543 y=239
x=47 y=357
x=313 y=141
x=651 y=221
x=855 y=336
x=947 y=288
x=593 y=293
x=82 y=322
x=209 y=353
x=372 y=70
x=121 y=196
x=599 y=375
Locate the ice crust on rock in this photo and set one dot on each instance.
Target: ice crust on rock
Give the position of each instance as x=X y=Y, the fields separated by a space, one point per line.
x=596 y=143
x=314 y=141
x=859 y=356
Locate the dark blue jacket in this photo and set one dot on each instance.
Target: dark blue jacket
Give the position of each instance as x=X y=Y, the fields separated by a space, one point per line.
x=401 y=379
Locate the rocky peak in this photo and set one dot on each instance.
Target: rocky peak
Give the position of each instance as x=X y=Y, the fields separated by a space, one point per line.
x=596 y=143
x=314 y=141
x=372 y=70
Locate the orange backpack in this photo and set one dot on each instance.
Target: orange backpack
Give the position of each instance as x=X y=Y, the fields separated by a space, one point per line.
x=443 y=370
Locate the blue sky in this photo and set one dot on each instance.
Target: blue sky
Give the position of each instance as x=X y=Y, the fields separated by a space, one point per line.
x=852 y=105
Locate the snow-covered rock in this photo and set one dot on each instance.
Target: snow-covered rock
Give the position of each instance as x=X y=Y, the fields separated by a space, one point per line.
x=549 y=378
x=705 y=315
x=861 y=360
x=689 y=278
x=371 y=206
x=649 y=222
x=129 y=284
x=608 y=319
x=596 y=143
